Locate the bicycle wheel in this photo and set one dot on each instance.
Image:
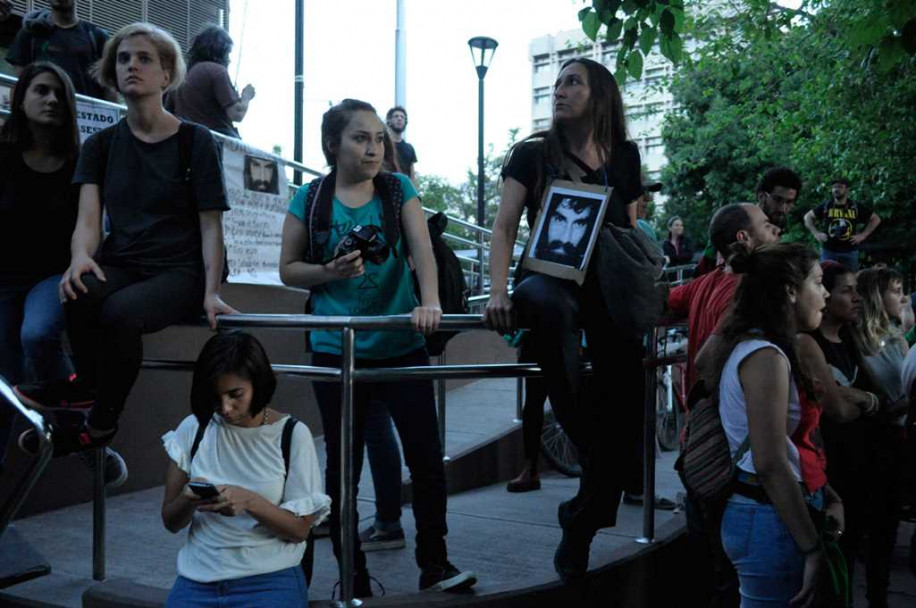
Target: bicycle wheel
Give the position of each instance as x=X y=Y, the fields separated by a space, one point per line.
x=667 y=419
x=558 y=449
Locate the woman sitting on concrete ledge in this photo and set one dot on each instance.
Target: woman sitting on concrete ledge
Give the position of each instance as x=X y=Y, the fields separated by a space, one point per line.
x=246 y=480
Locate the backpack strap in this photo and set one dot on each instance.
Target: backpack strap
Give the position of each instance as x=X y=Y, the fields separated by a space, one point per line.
x=741 y=451
x=287 y=439
x=319 y=208
x=198 y=437
x=186 y=132
x=105 y=136
x=319 y=229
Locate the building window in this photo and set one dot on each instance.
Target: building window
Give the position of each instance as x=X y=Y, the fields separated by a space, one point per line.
x=542 y=95
x=541 y=124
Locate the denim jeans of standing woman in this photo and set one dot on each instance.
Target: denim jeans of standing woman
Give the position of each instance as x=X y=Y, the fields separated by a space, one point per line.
x=31 y=330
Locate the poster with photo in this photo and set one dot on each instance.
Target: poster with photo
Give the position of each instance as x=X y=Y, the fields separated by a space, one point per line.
x=566 y=229
x=258 y=193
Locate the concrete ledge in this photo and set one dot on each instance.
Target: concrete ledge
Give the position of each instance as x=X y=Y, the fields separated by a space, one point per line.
x=639 y=575
x=122 y=593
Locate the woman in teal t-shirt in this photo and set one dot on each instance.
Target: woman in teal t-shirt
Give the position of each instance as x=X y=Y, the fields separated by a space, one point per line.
x=355 y=196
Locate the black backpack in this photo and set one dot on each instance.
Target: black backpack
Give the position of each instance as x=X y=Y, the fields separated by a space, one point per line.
x=185 y=154
x=286 y=440
x=453 y=288
x=453 y=291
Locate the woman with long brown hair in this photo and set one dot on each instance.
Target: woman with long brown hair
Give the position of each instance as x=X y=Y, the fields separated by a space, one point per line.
x=587 y=142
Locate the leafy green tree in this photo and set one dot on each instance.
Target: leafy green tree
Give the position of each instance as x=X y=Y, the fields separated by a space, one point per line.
x=819 y=89
x=638 y=26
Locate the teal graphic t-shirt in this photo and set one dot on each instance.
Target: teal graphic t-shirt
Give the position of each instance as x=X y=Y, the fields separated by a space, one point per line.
x=385 y=289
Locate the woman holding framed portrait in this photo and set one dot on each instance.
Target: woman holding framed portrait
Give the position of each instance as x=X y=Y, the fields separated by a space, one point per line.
x=586 y=148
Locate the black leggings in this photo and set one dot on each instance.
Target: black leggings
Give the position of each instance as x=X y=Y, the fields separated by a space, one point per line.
x=533 y=412
x=605 y=423
x=105 y=327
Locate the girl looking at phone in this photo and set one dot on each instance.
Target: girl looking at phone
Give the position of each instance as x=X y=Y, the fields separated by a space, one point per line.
x=251 y=512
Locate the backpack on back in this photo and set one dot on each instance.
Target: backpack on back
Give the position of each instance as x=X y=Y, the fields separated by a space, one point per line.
x=706 y=465
x=453 y=288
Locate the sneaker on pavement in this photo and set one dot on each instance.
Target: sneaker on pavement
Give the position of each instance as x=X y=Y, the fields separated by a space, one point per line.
x=446 y=577
x=66 y=439
x=114 y=469
x=373 y=539
x=65 y=394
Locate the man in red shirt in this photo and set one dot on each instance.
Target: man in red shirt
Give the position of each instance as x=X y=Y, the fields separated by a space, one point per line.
x=704 y=301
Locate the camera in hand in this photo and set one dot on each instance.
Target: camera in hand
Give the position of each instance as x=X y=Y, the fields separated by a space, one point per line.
x=372 y=248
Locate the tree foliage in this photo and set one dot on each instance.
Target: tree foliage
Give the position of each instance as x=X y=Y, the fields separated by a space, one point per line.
x=828 y=90
x=461 y=201
x=637 y=25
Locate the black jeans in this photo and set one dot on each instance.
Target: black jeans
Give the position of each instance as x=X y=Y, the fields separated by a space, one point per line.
x=605 y=423
x=106 y=325
x=412 y=407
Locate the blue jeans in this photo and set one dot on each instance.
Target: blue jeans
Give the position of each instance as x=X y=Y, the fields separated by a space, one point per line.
x=849 y=259
x=385 y=464
x=31 y=327
x=757 y=542
x=281 y=589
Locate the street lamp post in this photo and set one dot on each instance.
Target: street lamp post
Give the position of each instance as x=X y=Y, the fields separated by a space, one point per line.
x=482 y=51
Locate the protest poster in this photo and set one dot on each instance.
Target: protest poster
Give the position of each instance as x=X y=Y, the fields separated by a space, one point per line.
x=92 y=118
x=258 y=194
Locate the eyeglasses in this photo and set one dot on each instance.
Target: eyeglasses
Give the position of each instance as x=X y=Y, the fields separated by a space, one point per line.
x=780 y=200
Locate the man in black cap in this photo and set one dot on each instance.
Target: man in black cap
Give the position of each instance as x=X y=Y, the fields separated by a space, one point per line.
x=643 y=201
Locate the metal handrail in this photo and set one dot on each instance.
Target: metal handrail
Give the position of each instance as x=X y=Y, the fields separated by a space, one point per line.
x=45 y=449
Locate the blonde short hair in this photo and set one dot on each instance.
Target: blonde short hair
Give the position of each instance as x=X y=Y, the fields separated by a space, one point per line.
x=169 y=54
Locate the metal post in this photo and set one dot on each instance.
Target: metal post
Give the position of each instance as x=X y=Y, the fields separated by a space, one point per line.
x=519 y=398
x=98 y=516
x=441 y=406
x=481 y=178
x=299 y=88
x=347 y=502
x=648 y=489
x=400 y=62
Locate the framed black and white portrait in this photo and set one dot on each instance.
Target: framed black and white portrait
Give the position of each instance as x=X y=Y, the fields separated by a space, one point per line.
x=566 y=229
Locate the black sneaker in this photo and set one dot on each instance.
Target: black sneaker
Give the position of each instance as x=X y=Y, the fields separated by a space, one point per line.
x=67 y=439
x=372 y=539
x=114 y=468
x=446 y=577
x=67 y=394
x=571 y=558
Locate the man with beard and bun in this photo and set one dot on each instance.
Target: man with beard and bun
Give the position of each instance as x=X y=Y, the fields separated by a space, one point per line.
x=777 y=192
x=62 y=38
x=396 y=119
x=840 y=218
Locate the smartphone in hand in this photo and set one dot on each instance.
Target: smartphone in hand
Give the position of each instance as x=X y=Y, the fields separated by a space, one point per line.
x=203 y=489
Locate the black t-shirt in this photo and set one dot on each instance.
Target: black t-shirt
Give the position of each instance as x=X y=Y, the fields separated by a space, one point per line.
x=528 y=162
x=154 y=221
x=74 y=49
x=841 y=223
x=407 y=156
x=37 y=216
x=841 y=356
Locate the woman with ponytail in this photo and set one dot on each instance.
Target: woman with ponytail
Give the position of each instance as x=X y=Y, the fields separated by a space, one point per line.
x=768 y=526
